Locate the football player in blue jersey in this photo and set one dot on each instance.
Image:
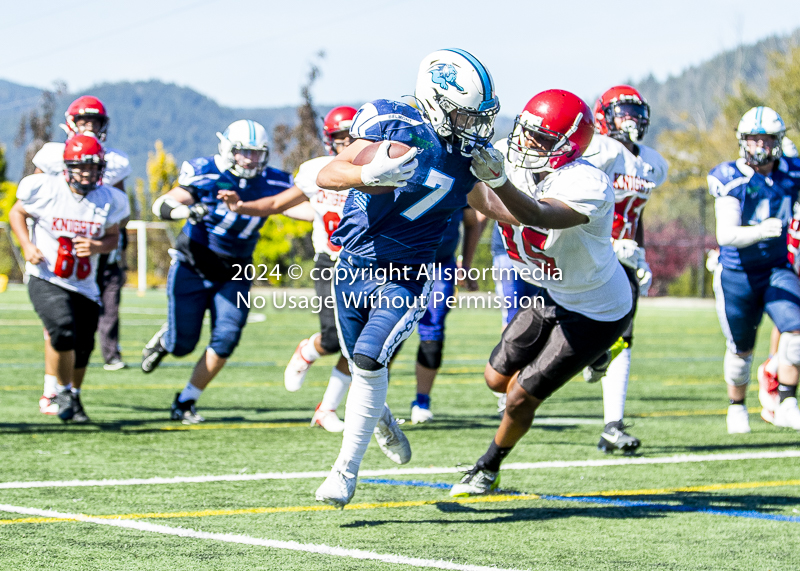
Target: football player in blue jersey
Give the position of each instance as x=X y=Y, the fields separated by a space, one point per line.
x=754 y=197
x=389 y=239
x=211 y=251
x=431 y=325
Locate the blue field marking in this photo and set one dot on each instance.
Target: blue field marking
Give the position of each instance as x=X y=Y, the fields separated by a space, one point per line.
x=749 y=514
x=414 y=483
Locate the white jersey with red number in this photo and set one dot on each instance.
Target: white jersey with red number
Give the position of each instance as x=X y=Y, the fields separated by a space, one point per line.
x=327 y=204
x=633 y=178
x=59 y=215
x=591 y=281
x=50 y=160
x=793 y=243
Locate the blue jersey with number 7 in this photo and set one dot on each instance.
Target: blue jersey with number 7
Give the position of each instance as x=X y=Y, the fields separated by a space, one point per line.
x=405 y=226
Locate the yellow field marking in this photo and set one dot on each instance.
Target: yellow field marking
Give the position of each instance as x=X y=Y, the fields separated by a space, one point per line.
x=418 y=503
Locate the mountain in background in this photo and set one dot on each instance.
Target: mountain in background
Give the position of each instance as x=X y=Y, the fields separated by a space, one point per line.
x=699 y=90
x=186 y=121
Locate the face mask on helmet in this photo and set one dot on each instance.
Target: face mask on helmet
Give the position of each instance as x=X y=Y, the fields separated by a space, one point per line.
x=86 y=115
x=473 y=128
x=759 y=150
x=535 y=148
x=84 y=177
x=627 y=122
x=244 y=148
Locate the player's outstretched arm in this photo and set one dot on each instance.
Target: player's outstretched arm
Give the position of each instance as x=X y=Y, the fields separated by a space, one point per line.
x=489 y=205
x=545 y=213
x=17 y=217
x=265 y=206
x=179 y=204
x=85 y=247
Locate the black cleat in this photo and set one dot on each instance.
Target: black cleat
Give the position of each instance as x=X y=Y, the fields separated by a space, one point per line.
x=185 y=411
x=614 y=438
x=154 y=351
x=70 y=407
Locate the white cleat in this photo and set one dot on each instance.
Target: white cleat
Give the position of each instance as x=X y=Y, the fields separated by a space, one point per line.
x=297 y=369
x=787 y=414
x=327 y=419
x=337 y=489
x=738 y=419
x=48 y=405
x=420 y=415
x=391 y=439
x=476 y=482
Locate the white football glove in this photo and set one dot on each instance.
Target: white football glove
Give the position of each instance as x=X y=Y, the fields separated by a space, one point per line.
x=385 y=171
x=644 y=275
x=488 y=165
x=770 y=228
x=628 y=252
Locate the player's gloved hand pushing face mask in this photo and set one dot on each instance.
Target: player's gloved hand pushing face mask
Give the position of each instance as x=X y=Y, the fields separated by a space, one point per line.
x=385 y=171
x=488 y=165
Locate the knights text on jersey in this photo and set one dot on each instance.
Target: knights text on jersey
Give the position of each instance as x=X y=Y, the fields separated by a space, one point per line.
x=227 y=234
x=759 y=198
x=59 y=216
x=50 y=160
x=328 y=205
x=406 y=225
x=576 y=265
x=633 y=178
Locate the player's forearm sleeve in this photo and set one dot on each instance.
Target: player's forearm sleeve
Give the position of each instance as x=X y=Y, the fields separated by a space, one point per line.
x=729 y=229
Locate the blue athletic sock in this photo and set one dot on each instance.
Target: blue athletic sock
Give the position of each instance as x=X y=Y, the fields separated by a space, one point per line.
x=423 y=401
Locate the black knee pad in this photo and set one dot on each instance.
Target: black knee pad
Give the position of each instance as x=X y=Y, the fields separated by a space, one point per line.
x=366 y=363
x=62 y=339
x=329 y=340
x=429 y=354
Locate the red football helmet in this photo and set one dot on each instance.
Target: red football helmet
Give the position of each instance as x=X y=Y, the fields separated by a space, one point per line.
x=84 y=154
x=627 y=104
x=337 y=120
x=87 y=107
x=554 y=129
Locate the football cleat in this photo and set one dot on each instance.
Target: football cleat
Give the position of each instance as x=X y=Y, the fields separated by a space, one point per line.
x=327 y=419
x=787 y=414
x=185 y=411
x=297 y=369
x=476 y=482
x=48 y=405
x=154 y=351
x=337 y=489
x=768 y=392
x=420 y=414
x=70 y=407
x=738 y=420
x=614 y=438
x=392 y=441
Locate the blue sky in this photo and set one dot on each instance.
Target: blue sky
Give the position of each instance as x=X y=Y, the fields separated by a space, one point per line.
x=253 y=53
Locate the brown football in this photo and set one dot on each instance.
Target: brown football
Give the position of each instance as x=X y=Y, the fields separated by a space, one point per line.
x=396 y=149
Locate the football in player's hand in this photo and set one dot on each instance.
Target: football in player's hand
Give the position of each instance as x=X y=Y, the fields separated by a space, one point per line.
x=396 y=149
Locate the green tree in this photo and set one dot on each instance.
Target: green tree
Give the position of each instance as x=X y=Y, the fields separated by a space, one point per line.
x=36 y=127
x=784 y=87
x=162 y=176
x=3 y=163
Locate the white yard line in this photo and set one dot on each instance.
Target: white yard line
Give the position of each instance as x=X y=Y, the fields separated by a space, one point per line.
x=681 y=459
x=247 y=540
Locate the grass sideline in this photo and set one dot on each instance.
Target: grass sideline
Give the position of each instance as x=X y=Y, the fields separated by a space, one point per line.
x=736 y=513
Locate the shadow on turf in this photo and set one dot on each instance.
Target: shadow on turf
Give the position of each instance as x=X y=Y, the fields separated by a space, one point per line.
x=690 y=502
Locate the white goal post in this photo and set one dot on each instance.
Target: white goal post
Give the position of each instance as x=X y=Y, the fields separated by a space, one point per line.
x=141 y=227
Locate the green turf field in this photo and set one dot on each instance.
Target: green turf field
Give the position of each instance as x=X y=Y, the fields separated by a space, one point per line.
x=713 y=505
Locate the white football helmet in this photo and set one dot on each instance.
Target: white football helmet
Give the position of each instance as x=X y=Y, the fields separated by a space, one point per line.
x=247 y=139
x=456 y=94
x=761 y=121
